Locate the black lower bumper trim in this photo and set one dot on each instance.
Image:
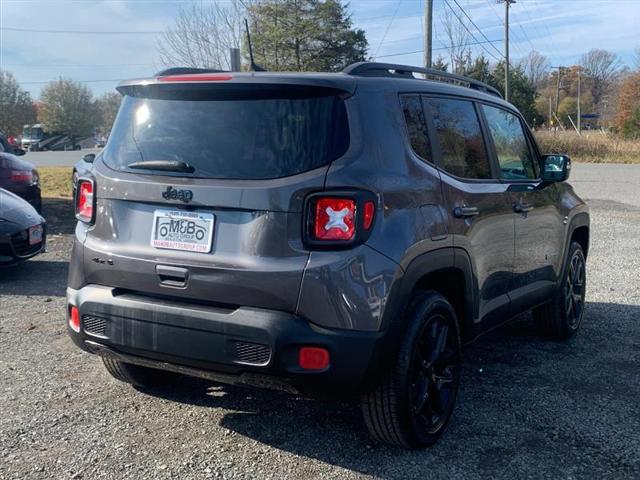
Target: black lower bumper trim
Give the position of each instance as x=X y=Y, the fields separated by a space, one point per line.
x=247 y=346
x=246 y=379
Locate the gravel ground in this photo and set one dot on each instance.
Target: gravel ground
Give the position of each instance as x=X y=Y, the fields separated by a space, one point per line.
x=528 y=408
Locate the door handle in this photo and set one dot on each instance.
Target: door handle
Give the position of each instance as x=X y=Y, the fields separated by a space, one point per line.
x=522 y=207
x=175 y=277
x=463 y=212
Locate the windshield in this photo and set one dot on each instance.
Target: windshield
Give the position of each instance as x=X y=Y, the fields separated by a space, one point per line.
x=32 y=133
x=230 y=139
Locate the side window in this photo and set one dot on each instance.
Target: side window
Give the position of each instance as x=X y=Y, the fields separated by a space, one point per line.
x=458 y=129
x=514 y=155
x=416 y=125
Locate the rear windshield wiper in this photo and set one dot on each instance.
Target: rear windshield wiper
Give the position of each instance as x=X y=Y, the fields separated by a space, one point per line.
x=164 y=165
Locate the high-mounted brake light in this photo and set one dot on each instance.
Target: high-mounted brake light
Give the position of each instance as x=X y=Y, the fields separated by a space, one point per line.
x=334 y=219
x=197 y=77
x=85 y=200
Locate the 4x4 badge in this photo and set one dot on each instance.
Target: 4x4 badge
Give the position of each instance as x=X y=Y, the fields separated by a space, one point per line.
x=172 y=194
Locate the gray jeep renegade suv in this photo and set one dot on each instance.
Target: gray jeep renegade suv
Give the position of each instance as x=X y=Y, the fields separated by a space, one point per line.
x=334 y=235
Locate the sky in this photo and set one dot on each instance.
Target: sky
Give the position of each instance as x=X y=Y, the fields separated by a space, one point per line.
x=93 y=48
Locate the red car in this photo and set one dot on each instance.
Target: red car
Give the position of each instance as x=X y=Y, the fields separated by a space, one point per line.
x=19 y=176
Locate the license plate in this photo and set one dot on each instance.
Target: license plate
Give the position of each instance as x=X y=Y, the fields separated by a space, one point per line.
x=177 y=230
x=35 y=235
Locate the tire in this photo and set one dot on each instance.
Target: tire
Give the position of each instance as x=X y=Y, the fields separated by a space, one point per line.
x=561 y=317
x=141 y=377
x=410 y=408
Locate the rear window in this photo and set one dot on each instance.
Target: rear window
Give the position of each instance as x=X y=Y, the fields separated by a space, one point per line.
x=239 y=138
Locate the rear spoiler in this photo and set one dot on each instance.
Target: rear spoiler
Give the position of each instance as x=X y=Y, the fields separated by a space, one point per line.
x=189 y=83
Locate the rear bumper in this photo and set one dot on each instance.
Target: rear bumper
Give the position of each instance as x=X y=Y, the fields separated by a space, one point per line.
x=251 y=346
x=14 y=247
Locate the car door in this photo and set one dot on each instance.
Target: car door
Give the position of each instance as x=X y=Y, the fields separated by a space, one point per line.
x=539 y=230
x=481 y=215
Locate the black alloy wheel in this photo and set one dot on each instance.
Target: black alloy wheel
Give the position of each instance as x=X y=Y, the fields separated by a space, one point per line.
x=434 y=373
x=574 y=290
x=412 y=404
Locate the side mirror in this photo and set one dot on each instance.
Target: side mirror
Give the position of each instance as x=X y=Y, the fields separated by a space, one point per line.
x=555 y=168
x=89 y=157
x=18 y=152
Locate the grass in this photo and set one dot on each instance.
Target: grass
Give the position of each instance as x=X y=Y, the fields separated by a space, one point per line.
x=56 y=182
x=591 y=146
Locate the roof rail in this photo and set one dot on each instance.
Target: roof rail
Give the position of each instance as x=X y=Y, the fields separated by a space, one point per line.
x=185 y=71
x=375 y=69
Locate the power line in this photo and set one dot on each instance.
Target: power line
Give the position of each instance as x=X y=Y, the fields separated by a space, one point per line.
x=471 y=33
x=438 y=48
x=549 y=38
x=516 y=46
x=81 y=81
x=476 y=26
x=81 y=32
x=51 y=65
x=395 y=12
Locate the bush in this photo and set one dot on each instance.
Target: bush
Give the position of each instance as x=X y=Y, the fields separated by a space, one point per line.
x=593 y=146
x=631 y=126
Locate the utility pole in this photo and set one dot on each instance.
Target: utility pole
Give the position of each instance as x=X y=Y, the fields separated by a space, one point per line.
x=560 y=67
x=428 y=32
x=507 y=4
x=579 y=113
x=234 y=59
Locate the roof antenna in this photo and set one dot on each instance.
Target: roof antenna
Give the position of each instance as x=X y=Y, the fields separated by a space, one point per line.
x=255 y=67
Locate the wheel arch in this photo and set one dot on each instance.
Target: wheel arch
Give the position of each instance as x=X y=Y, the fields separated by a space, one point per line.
x=581 y=235
x=579 y=230
x=446 y=271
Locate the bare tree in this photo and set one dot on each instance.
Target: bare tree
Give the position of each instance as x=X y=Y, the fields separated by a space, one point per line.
x=600 y=68
x=457 y=33
x=203 y=33
x=536 y=68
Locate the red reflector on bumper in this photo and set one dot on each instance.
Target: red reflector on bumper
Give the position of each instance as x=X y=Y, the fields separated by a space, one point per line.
x=74 y=319
x=313 y=358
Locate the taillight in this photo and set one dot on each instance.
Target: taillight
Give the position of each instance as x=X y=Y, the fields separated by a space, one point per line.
x=334 y=219
x=369 y=212
x=85 y=200
x=340 y=218
x=21 y=175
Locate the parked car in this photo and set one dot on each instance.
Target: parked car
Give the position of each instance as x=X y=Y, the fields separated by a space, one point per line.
x=82 y=168
x=19 y=176
x=64 y=143
x=32 y=135
x=336 y=235
x=22 y=230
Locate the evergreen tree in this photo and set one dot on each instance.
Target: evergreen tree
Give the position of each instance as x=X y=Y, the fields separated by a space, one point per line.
x=304 y=35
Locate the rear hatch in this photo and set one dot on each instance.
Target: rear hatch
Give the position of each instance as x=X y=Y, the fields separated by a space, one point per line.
x=200 y=188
